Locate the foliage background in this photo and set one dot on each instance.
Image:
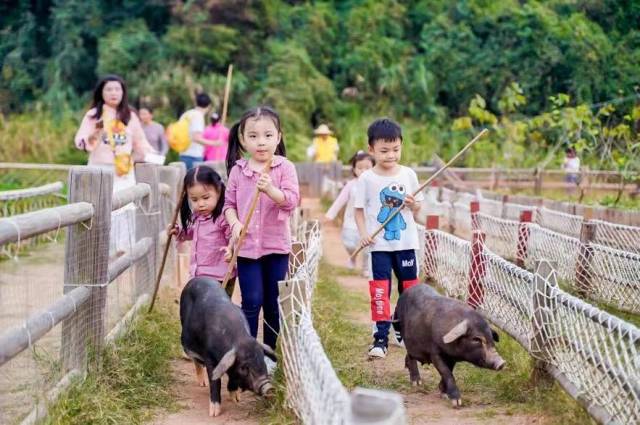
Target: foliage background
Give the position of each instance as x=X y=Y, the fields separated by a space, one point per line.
x=537 y=72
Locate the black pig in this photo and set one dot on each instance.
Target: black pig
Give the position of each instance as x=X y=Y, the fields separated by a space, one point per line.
x=443 y=331
x=215 y=335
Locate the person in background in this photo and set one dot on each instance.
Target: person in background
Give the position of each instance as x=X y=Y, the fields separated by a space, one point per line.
x=218 y=134
x=324 y=148
x=571 y=165
x=360 y=162
x=153 y=130
x=112 y=135
x=195 y=152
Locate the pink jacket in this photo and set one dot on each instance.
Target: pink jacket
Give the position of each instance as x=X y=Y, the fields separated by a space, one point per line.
x=134 y=141
x=208 y=238
x=269 y=230
x=216 y=132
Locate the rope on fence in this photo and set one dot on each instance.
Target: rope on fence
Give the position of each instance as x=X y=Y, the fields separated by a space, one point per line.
x=593 y=354
x=314 y=391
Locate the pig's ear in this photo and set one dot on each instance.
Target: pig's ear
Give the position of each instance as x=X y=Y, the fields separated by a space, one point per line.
x=456 y=332
x=225 y=363
x=268 y=351
x=495 y=335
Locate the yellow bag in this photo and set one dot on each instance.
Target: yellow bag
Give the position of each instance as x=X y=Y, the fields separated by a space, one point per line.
x=123 y=164
x=178 y=134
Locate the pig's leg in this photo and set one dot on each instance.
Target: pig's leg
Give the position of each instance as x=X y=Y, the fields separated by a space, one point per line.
x=414 y=373
x=214 y=393
x=232 y=387
x=200 y=377
x=448 y=382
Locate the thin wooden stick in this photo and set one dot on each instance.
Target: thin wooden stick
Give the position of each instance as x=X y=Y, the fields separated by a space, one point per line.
x=227 y=90
x=421 y=188
x=243 y=232
x=166 y=250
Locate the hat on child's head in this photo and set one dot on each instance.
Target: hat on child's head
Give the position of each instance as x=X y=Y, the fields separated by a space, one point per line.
x=322 y=130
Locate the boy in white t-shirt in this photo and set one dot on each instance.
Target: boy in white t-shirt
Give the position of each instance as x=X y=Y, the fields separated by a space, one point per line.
x=381 y=191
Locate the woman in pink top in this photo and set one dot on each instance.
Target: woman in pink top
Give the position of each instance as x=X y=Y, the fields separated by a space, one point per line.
x=263 y=259
x=203 y=224
x=112 y=134
x=219 y=134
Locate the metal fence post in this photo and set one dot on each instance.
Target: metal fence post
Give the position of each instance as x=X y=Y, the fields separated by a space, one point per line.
x=87 y=263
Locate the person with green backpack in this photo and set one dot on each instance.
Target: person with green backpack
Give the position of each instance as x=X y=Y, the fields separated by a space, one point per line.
x=186 y=135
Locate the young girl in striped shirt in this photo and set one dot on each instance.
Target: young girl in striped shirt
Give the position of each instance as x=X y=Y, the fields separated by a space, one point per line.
x=263 y=258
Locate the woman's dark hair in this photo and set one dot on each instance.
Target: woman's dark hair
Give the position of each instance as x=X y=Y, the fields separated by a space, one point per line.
x=123 y=112
x=205 y=176
x=360 y=156
x=236 y=149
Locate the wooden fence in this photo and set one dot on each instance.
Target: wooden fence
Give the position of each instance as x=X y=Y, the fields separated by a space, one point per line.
x=89 y=270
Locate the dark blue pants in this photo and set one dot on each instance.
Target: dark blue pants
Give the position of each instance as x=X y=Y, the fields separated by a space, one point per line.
x=404 y=266
x=190 y=161
x=259 y=288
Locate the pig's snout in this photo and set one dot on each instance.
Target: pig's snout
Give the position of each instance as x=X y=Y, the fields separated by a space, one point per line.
x=494 y=360
x=266 y=389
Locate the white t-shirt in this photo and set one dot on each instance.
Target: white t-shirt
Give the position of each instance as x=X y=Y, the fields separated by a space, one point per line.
x=196 y=124
x=372 y=189
x=572 y=164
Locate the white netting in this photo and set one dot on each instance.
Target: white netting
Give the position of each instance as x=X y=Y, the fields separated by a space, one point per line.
x=563 y=250
x=512 y=211
x=491 y=207
x=501 y=235
x=619 y=236
x=314 y=391
x=595 y=353
x=567 y=224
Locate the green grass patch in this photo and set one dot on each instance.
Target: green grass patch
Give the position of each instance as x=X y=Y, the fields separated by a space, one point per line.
x=512 y=390
x=131 y=380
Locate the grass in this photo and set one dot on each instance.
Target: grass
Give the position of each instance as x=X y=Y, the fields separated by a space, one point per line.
x=513 y=390
x=131 y=380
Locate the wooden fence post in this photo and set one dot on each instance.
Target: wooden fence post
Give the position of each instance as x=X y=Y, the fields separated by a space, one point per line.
x=478 y=270
x=87 y=263
x=545 y=281
x=537 y=185
x=505 y=201
x=147 y=225
x=523 y=237
x=181 y=248
x=474 y=207
x=430 y=246
x=583 y=272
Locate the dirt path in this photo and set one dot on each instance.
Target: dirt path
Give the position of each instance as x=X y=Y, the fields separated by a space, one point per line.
x=424 y=405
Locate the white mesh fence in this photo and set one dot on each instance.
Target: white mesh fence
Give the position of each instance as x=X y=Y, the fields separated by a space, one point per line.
x=619 y=236
x=314 y=391
x=567 y=224
x=593 y=354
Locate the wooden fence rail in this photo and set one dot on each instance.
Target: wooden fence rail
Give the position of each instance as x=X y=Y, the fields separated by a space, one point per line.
x=82 y=309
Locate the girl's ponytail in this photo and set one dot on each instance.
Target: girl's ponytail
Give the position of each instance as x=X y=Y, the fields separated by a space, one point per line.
x=185 y=210
x=235 y=150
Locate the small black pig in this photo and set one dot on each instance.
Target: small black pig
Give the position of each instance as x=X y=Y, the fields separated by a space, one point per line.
x=443 y=331
x=215 y=335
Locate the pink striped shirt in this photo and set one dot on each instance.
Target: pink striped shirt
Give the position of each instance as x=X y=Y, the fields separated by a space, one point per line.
x=269 y=229
x=208 y=238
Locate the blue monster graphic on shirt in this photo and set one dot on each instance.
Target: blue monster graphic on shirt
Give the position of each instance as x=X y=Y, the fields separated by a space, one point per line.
x=391 y=198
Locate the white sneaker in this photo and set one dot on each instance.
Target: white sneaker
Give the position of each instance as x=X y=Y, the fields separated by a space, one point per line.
x=271 y=365
x=378 y=351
